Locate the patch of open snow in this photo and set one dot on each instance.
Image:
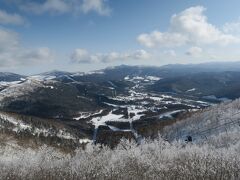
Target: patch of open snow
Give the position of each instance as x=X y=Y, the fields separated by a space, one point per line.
x=117 y=129
x=156 y=98
x=126 y=78
x=84 y=141
x=41 y=77
x=51 y=87
x=166 y=96
x=203 y=103
x=97 y=121
x=134 y=93
x=84 y=115
x=153 y=78
x=170 y=114
x=138 y=78
x=191 y=90
x=77 y=74
x=86 y=73
x=6 y=83
x=144 y=102
x=93 y=72
x=113 y=105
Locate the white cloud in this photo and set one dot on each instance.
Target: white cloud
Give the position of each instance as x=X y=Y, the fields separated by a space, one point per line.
x=190 y=26
x=8 y=40
x=13 y=54
x=81 y=56
x=98 y=6
x=194 y=51
x=165 y=39
x=15 y=19
x=34 y=56
x=84 y=56
x=232 y=27
x=171 y=53
x=66 y=6
x=140 y=54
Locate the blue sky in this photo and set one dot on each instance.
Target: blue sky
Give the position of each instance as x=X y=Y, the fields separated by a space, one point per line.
x=83 y=35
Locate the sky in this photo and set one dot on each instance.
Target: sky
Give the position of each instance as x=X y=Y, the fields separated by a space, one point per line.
x=83 y=35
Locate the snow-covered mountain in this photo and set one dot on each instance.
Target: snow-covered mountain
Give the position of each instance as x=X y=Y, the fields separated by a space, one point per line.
x=123 y=101
x=50 y=124
x=8 y=77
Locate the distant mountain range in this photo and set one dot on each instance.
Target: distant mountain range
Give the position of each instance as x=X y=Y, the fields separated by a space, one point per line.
x=121 y=100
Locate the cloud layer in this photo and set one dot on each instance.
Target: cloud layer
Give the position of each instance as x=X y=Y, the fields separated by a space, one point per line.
x=84 y=56
x=12 y=53
x=189 y=27
x=65 y=6
x=194 y=51
x=13 y=19
x=232 y=27
x=98 y=6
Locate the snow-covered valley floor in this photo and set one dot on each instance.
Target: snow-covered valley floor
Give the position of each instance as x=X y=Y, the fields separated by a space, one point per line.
x=138 y=105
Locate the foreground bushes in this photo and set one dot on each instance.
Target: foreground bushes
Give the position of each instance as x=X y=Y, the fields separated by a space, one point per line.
x=151 y=160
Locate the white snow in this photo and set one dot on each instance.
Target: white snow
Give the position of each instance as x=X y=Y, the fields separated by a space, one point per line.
x=98 y=121
x=93 y=72
x=156 y=98
x=138 y=78
x=170 y=114
x=142 y=78
x=117 y=129
x=78 y=74
x=84 y=115
x=153 y=78
x=6 y=83
x=51 y=87
x=191 y=90
x=84 y=141
x=41 y=77
x=135 y=110
x=127 y=78
x=87 y=73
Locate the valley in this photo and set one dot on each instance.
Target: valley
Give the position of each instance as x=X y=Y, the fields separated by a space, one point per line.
x=102 y=106
x=119 y=90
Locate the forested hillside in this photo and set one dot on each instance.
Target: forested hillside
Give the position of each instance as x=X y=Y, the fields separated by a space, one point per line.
x=213 y=153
